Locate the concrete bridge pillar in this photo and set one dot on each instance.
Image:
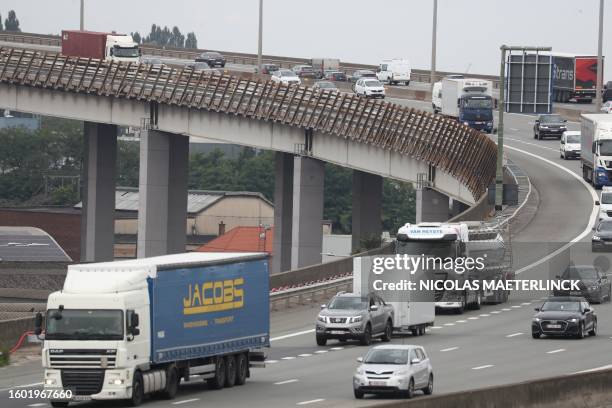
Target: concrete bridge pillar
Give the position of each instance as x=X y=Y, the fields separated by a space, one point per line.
x=98 y=192
x=431 y=205
x=283 y=217
x=307 y=212
x=162 y=211
x=367 y=207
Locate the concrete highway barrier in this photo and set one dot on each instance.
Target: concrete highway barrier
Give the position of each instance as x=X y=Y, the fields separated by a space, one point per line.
x=582 y=390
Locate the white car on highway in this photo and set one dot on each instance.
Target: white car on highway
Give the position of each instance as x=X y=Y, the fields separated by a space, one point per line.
x=393 y=368
x=370 y=88
x=605 y=204
x=285 y=76
x=607 y=107
x=570 y=144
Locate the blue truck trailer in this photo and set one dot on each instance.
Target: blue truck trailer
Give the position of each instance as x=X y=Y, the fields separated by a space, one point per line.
x=121 y=330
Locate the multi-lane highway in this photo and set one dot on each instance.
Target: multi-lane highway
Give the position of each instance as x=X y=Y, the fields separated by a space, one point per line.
x=479 y=348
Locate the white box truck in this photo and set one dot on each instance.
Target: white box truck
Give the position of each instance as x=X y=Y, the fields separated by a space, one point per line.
x=411 y=313
x=469 y=101
x=596 y=149
x=394 y=71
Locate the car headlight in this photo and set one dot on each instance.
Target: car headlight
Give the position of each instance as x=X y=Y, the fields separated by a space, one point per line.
x=536 y=319
x=360 y=371
x=117 y=381
x=401 y=372
x=322 y=319
x=356 y=319
x=573 y=320
x=543 y=127
x=466 y=123
x=489 y=123
x=596 y=238
x=50 y=381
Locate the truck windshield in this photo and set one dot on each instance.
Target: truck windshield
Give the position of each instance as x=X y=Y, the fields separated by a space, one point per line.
x=605 y=148
x=440 y=249
x=477 y=104
x=83 y=324
x=125 y=52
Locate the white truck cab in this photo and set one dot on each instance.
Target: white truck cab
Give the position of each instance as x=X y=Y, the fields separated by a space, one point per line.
x=436 y=97
x=121 y=47
x=394 y=71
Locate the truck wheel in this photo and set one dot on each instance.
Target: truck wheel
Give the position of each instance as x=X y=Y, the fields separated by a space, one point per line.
x=230 y=371
x=172 y=384
x=59 y=404
x=218 y=381
x=242 y=368
x=321 y=340
x=388 y=332
x=366 y=338
x=137 y=390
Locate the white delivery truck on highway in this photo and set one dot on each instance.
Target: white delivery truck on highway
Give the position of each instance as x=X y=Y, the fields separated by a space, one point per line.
x=322 y=65
x=394 y=71
x=120 y=330
x=469 y=101
x=411 y=313
x=459 y=241
x=596 y=149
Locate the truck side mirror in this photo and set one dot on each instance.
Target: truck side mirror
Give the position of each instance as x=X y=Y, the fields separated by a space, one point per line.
x=594 y=148
x=38 y=320
x=495 y=103
x=458 y=103
x=597 y=203
x=132 y=324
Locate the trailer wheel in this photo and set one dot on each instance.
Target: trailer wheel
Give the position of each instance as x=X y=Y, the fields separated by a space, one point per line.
x=218 y=381
x=230 y=371
x=137 y=390
x=172 y=384
x=242 y=367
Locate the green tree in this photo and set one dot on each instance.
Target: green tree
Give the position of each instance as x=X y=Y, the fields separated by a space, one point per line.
x=191 y=41
x=338 y=198
x=11 y=23
x=136 y=37
x=1 y=26
x=398 y=205
x=128 y=158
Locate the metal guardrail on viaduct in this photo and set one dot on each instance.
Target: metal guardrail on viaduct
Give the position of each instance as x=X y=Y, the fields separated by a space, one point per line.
x=418 y=75
x=465 y=154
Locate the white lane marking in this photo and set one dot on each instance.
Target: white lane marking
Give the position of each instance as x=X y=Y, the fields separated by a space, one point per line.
x=449 y=349
x=304 y=355
x=286 y=336
x=484 y=315
x=506 y=310
x=472 y=318
x=449 y=324
x=515 y=334
x=496 y=311
x=526 y=303
x=38 y=404
x=593 y=369
x=580 y=236
x=311 y=401
x=286 y=381
x=439 y=327
x=515 y=307
x=514 y=129
x=531 y=144
x=337 y=348
x=185 y=401
x=288 y=358
x=20 y=386
x=320 y=351
x=483 y=366
x=461 y=321
x=271 y=361
x=555 y=351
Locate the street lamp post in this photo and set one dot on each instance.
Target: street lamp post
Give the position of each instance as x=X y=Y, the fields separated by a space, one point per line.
x=599 y=58
x=432 y=77
x=82 y=23
x=259 y=45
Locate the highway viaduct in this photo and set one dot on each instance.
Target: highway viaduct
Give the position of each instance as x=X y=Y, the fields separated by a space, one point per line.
x=305 y=127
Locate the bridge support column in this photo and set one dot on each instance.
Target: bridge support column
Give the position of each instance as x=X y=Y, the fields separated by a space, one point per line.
x=457 y=207
x=367 y=207
x=431 y=205
x=307 y=231
x=283 y=214
x=162 y=210
x=98 y=194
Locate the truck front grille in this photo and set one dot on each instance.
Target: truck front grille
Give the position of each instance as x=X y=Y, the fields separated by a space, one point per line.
x=83 y=382
x=82 y=358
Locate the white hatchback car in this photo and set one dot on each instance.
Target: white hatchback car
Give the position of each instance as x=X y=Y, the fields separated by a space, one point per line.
x=570 y=144
x=285 y=76
x=370 y=88
x=393 y=368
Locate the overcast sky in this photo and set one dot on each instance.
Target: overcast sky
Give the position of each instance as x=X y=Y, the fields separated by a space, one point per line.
x=469 y=31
